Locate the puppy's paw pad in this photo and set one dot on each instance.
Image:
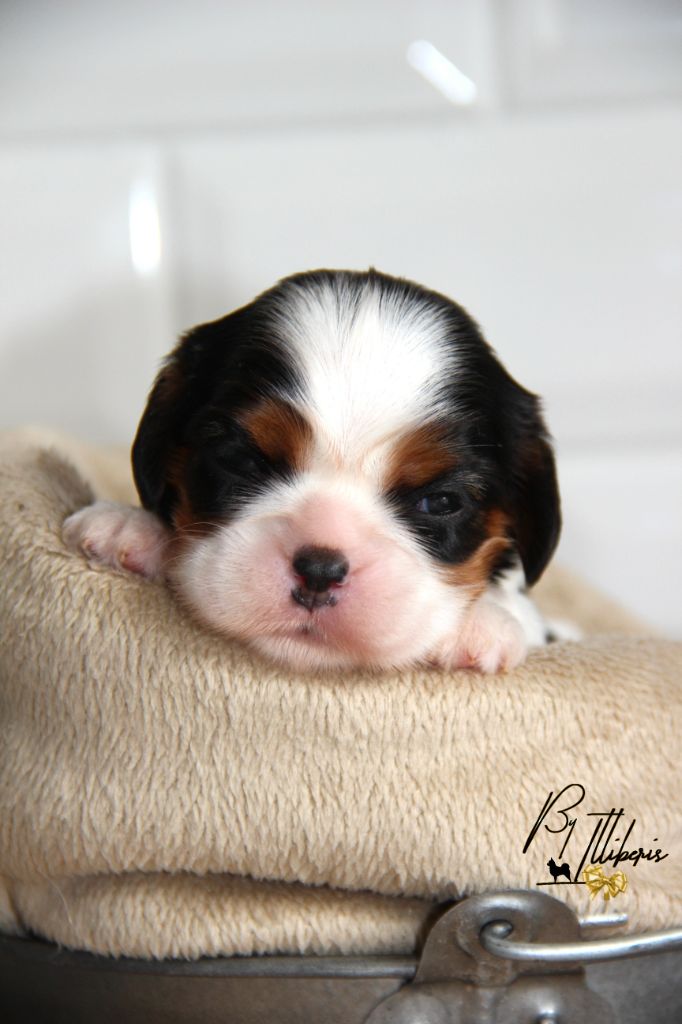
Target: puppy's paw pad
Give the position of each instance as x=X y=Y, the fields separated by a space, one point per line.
x=489 y=640
x=122 y=538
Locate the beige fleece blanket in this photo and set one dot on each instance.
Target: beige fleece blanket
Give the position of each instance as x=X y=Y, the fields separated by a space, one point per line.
x=165 y=792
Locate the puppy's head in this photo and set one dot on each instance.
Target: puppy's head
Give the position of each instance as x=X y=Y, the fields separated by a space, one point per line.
x=345 y=466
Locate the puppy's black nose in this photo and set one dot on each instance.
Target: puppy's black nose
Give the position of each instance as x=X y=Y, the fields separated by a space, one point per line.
x=320 y=567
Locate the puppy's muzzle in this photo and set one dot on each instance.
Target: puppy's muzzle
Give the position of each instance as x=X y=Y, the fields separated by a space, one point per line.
x=319 y=570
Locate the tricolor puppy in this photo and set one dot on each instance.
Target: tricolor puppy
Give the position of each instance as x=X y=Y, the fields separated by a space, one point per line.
x=342 y=474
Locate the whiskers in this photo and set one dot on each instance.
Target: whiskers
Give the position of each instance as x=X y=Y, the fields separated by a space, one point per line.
x=197 y=528
x=182 y=535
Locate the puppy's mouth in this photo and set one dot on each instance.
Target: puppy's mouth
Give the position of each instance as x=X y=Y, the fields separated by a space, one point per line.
x=313 y=599
x=315 y=629
x=309 y=632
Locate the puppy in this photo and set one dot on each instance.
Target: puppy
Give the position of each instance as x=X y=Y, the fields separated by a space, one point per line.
x=342 y=474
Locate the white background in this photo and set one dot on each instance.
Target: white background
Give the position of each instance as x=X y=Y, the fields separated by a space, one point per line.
x=271 y=137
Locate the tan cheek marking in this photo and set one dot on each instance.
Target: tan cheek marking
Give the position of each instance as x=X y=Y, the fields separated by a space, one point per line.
x=185 y=520
x=474 y=573
x=280 y=432
x=418 y=458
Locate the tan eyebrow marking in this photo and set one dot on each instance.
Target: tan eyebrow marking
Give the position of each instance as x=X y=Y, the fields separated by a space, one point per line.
x=280 y=431
x=420 y=456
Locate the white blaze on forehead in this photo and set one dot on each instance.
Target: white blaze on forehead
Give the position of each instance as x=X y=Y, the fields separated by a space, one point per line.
x=372 y=358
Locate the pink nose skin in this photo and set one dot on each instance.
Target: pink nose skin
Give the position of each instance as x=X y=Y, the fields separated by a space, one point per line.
x=319 y=570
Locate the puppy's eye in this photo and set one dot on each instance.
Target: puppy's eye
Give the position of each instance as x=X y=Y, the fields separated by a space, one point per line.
x=238 y=464
x=439 y=504
x=246 y=465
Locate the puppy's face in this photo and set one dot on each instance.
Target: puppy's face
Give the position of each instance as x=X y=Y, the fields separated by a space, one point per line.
x=345 y=467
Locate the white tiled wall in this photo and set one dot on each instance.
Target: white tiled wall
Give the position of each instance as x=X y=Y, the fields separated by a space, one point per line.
x=161 y=163
x=81 y=331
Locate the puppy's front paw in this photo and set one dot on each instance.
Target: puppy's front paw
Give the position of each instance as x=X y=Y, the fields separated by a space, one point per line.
x=489 y=639
x=118 y=536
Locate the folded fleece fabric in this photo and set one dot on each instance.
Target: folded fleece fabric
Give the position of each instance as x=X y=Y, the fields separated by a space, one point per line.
x=165 y=792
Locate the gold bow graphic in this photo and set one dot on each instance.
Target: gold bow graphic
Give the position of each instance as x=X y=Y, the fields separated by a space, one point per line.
x=596 y=880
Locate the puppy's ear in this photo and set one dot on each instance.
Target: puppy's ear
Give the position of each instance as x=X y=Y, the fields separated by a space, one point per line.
x=535 y=502
x=181 y=387
x=156 y=437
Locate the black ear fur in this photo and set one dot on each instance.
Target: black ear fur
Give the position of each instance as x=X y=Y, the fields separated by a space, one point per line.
x=535 y=504
x=153 y=441
x=181 y=388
